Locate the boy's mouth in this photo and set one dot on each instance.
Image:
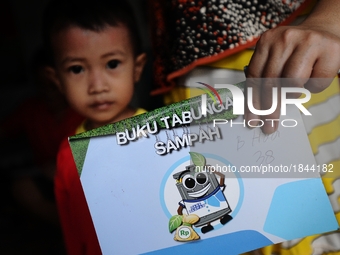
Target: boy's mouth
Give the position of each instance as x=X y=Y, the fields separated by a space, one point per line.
x=101 y=105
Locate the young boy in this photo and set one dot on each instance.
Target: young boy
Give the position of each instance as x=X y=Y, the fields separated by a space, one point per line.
x=96 y=60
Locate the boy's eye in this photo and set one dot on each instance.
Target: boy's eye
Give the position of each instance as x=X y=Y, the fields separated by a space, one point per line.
x=76 y=69
x=112 y=64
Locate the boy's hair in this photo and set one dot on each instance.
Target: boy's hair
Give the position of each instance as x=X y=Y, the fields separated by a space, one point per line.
x=91 y=15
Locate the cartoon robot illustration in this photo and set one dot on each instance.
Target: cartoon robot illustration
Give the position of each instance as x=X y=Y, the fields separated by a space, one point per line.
x=203 y=196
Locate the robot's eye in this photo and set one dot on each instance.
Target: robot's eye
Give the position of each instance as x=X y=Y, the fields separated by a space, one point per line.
x=201 y=178
x=189 y=181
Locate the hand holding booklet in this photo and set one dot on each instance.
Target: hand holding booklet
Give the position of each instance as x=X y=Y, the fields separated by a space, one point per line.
x=176 y=181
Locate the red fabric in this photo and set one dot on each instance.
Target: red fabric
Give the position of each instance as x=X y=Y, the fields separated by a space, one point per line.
x=43 y=128
x=77 y=226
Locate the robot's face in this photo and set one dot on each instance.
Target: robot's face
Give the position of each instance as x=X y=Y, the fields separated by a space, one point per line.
x=197 y=185
x=193 y=184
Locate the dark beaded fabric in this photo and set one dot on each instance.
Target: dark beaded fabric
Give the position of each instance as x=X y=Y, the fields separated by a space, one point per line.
x=190 y=30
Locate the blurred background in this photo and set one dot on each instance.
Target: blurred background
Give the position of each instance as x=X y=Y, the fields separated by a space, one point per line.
x=31 y=114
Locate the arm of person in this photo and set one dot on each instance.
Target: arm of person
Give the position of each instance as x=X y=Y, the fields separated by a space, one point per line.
x=308 y=50
x=77 y=227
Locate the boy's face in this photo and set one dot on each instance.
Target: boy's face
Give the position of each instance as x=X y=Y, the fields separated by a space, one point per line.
x=97 y=71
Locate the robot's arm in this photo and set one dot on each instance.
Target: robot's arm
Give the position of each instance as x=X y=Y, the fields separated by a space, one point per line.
x=180 y=209
x=222 y=179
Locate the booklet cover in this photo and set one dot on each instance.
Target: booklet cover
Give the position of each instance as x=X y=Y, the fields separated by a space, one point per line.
x=178 y=181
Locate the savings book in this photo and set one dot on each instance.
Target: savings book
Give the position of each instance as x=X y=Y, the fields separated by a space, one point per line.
x=184 y=179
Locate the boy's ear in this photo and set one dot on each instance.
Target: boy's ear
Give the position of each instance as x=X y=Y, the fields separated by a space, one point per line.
x=51 y=74
x=139 y=66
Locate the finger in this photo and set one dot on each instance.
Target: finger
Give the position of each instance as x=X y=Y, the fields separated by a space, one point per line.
x=326 y=66
x=254 y=72
x=316 y=85
x=263 y=99
x=253 y=86
x=300 y=63
x=258 y=60
x=277 y=58
x=324 y=71
x=304 y=64
x=270 y=104
x=298 y=69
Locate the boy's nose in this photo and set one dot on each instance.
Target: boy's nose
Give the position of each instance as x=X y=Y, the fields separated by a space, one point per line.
x=97 y=83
